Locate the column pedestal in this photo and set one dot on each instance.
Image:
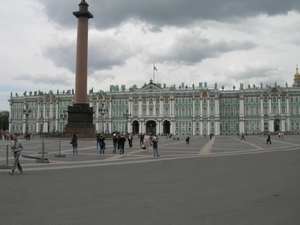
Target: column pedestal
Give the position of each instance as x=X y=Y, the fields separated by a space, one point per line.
x=80 y=119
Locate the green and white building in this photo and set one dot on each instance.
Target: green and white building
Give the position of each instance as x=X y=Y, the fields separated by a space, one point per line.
x=158 y=108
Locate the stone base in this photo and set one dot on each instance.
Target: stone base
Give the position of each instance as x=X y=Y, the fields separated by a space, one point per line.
x=80 y=120
x=78 y=128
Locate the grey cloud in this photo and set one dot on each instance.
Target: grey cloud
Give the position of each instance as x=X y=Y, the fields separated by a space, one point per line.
x=110 y=13
x=46 y=79
x=194 y=51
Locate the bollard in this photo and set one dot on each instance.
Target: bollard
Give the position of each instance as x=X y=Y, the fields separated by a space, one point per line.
x=59 y=150
x=42 y=160
x=6 y=166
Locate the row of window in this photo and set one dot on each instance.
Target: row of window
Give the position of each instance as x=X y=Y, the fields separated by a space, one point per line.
x=179 y=111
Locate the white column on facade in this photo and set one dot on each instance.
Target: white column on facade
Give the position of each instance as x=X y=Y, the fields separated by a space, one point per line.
x=242 y=126
x=201 y=107
x=288 y=124
x=140 y=107
x=24 y=118
x=279 y=105
x=161 y=107
x=56 y=115
x=242 y=113
x=10 y=118
x=130 y=106
x=51 y=116
x=208 y=107
x=38 y=117
x=97 y=117
x=217 y=127
x=287 y=106
x=262 y=125
x=45 y=122
x=142 y=127
x=171 y=106
x=194 y=127
x=173 y=127
x=217 y=107
x=261 y=106
x=270 y=105
x=193 y=109
x=283 y=128
x=271 y=125
x=288 y=121
x=201 y=127
x=208 y=126
x=147 y=109
x=51 y=110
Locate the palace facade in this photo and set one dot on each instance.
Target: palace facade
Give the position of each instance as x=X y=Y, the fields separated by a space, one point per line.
x=156 y=108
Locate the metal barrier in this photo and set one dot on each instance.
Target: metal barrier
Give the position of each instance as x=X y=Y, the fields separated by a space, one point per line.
x=6 y=166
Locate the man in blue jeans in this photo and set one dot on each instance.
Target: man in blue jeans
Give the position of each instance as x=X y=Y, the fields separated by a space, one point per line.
x=17 y=148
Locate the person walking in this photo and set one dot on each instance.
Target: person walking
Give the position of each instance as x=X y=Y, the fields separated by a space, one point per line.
x=130 y=140
x=115 y=144
x=269 y=139
x=243 y=136
x=102 y=144
x=141 y=139
x=17 y=148
x=282 y=135
x=154 y=144
x=74 y=143
x=187 y=140
x=122 y=144
x=97 y=139
x=147 y=142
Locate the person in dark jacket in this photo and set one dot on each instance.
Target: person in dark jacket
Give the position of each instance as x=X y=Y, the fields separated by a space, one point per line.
x=74 y=144
x=115 y=143
x=130 y=140
x=102 y=144
x=187 y=140
x=269 y=139
x=154 y=145
x=122 y=144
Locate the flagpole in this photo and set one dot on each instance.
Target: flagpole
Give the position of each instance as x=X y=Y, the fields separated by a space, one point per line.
x=153 y=73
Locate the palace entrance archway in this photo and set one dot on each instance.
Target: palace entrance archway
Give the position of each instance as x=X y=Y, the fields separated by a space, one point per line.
x=135 y=127
x=276 y=125
x=166 y=127
x=151 y=127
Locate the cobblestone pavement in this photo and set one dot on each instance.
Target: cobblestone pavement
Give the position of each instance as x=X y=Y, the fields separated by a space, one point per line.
x=169 y=149
x=223 y=181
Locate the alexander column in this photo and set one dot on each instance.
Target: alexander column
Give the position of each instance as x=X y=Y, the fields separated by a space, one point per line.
x=80 y=115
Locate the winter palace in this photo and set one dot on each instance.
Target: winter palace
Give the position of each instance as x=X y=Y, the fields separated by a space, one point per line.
x=157 y=108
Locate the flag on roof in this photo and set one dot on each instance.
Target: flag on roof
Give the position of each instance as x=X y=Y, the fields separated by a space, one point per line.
x=154 y=68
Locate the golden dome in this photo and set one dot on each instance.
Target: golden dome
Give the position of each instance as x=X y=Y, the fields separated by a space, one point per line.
x=297 y=75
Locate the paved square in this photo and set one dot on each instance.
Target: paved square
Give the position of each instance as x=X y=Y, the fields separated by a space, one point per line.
x=219 y=181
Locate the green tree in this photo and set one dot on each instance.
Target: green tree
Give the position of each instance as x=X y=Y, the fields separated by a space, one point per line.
x=4 y=115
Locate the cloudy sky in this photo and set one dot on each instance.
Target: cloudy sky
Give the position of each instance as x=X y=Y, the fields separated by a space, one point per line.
x=227 y=42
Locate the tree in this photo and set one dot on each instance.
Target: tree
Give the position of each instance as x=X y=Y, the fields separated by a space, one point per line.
x=4 y=115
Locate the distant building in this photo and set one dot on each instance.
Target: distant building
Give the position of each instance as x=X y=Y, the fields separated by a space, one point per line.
x=156 y=108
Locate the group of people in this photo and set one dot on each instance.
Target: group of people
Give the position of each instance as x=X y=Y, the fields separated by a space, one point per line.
x=147 y=140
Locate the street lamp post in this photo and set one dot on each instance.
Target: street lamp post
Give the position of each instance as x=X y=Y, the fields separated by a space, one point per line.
x=126 y=115
x=102 y=111
x=27 y=113
x=42 y=124
x=64 y=116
